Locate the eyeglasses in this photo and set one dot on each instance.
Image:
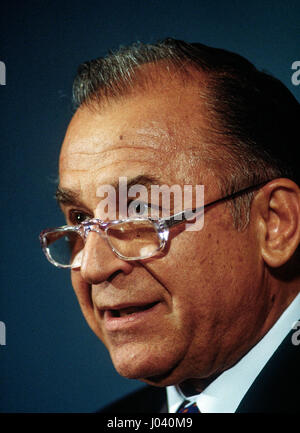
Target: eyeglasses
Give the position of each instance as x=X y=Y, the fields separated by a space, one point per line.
x=130 y=239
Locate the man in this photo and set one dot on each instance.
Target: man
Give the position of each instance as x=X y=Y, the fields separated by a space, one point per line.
x=211 y=316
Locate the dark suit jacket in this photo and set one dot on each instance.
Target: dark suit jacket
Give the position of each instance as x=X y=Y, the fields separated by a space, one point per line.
x=275 y=390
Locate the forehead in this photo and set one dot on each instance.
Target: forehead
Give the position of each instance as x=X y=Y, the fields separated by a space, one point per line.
x=159 y=134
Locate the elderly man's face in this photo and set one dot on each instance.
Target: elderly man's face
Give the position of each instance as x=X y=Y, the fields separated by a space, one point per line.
x=206 y=297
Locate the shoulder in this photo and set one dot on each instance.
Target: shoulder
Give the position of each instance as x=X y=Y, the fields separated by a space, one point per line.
x=149 y=399
x=276 y=388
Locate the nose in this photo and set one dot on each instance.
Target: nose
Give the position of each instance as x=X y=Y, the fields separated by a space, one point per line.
x=99 y=262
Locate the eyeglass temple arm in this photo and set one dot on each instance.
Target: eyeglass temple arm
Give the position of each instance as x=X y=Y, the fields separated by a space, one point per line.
x=183 y=216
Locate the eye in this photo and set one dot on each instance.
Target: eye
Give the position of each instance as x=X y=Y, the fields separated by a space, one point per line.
x=77 y=217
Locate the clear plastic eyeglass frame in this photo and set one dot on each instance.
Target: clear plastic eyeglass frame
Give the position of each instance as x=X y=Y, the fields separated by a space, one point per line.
x=161 y=225
x=98 y=226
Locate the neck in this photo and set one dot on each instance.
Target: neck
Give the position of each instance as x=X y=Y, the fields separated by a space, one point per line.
x=282 y=295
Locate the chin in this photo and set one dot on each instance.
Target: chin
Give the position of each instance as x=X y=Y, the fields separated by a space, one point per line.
x=143 y=365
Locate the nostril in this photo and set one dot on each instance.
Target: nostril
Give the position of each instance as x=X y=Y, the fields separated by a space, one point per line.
x=113 y=275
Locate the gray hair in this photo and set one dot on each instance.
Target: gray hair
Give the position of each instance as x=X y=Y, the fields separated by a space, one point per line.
x=255 y=117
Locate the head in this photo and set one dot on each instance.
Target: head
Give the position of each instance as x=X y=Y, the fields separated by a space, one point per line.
x=181 y=113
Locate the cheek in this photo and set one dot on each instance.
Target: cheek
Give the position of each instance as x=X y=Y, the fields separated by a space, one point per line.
x=83 y=293
x=180 y=269
x=205 y=276
x=81 y=290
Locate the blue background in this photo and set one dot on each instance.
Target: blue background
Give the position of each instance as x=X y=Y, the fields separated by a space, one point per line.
x=52 y=362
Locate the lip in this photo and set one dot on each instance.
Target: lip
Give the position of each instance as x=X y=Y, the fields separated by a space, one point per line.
x=113 y=323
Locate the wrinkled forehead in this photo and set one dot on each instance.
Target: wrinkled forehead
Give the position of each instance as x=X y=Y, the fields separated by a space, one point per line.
x=159 y=133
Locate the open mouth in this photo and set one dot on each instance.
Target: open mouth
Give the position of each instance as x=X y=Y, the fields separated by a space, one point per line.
x=131 y=310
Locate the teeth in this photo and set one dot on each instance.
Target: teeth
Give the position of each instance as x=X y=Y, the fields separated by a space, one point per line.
x=130 y=310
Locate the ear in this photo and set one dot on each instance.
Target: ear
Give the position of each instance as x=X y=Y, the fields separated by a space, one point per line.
x=278 y=222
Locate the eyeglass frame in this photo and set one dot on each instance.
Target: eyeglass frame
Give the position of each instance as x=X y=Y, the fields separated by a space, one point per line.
x=161 y=225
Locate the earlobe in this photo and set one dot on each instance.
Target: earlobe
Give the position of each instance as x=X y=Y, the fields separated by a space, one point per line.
x=279 y=218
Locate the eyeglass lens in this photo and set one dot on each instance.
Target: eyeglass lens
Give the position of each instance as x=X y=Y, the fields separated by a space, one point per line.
x=133 y=239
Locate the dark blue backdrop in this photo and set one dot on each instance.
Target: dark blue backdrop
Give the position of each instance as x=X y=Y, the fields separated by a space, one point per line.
x=52 y=362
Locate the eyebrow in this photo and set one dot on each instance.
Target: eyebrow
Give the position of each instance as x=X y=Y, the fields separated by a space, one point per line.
x=146 y=181
x=68 y=197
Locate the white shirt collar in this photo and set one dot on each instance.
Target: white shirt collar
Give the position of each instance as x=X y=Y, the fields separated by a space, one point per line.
x=225 y=393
